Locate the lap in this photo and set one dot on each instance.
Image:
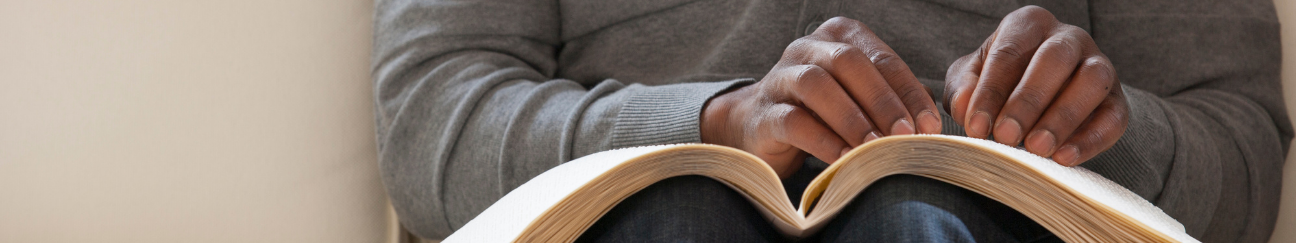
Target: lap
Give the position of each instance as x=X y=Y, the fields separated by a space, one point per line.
x=901 y=208
x=907 y=208
x=683 y=209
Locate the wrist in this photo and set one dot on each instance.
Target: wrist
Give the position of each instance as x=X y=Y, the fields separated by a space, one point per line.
x=714 y=124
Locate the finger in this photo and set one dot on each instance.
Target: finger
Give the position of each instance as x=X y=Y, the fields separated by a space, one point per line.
x=1007 y=57
x=797 y=127
x=817 y=90
x=1098 y=134
x=961 y=77
x=1048 y=71
x=856 y=74
x=1088 y=87
x=913 y=94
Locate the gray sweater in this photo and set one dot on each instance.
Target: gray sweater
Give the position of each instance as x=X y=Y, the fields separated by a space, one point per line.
x=476 y=97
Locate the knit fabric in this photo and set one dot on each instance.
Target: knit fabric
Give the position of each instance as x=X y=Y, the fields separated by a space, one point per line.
x=476 y=97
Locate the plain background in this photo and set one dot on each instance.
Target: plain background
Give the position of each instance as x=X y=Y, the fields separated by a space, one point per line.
x=217 y=121
x=187 y=121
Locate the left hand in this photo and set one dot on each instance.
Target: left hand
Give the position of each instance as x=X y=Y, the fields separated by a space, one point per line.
x=1039 y=75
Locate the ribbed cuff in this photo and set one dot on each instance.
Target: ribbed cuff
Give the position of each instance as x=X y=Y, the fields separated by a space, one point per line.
x=1141 y=159
x=666 y=114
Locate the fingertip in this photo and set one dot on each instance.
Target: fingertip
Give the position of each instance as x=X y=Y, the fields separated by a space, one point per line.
x=928 y=123
x=979 y=125
x=871 y=136
x=902 y=127
x=844 y=151
x=955 y=107
x=1068 y=155
x=1008 y=131
x=1041 y=142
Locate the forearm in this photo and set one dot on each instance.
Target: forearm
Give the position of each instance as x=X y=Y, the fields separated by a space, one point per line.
x=1209 y=158
x=1140 y=161
x=473 y=125
x=1213 y=71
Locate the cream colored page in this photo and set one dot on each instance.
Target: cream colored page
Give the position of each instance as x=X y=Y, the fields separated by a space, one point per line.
x=1093 y=186
x=501 y=221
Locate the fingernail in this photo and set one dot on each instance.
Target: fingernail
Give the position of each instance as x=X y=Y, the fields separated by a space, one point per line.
x=871 y=136
x=929 y=122
x=1067 y=155
x=902 y=127
x=980 y=125
x=844 y=151
x=1040 y=142
x=1008 y=131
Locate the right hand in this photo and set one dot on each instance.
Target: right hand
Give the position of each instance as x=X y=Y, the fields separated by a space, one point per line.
x=831 y=91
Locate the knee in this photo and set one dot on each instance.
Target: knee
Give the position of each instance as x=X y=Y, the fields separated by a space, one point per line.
x=905 y=221
x=914 y=221
x=687 y=207
x=685 y=194
x=903 y=188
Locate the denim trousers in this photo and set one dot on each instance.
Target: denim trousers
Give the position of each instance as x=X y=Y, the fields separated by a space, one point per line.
x=900 y=208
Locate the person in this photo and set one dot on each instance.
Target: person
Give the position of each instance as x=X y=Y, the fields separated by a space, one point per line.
x=1178 y=101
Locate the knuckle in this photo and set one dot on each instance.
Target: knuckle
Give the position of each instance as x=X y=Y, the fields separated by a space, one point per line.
x=799 y=43
x=844 y=55
x=806 y=73
x=1077 y=38
x=1002 y=85
x=994 y=90
x=797 y=48
x=884 y=58
x=913 y=95
x=780 y=116
x=1087 y=140
x=1034 y=13
x=1065 y=45
x=879 y=98
x=791 y=115
x=982 y=52
x=890 y=65
x=1114 y=126
x=1117 y=98
x=1121 y=115
x=819 y=35
x=842 y=28
x=808 y=80
x=1074 y=31
x=1007 y=49
x=959 y=67
x=1101 y=69
x=1033 y=99
x=839 y=23
x=1069 y=114
x=1121 y=120
x=857 y=124
x=792 y=51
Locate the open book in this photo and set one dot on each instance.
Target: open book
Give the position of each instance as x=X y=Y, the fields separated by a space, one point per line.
x=1074 y=203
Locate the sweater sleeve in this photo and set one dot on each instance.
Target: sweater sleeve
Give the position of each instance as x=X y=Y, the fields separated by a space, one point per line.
x=468 y=108
x=1208 y=128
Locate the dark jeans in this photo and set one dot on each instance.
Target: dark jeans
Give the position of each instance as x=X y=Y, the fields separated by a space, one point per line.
x=901 y=208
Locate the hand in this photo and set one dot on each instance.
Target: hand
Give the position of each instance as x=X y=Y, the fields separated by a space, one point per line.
x=1039 y=75
x=832 y=90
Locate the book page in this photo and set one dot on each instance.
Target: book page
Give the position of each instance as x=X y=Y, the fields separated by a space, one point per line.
x=559 y=204
x=501 y=221
x=1093 y=186
x=1084 y=205
x=1075 y=203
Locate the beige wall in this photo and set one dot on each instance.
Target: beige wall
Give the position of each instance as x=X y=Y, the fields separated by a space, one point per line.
x=187 y=121
x=1286 y=228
